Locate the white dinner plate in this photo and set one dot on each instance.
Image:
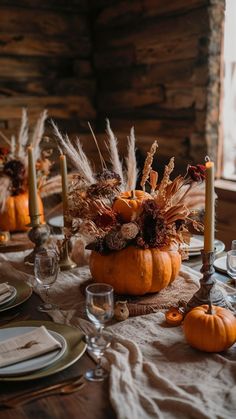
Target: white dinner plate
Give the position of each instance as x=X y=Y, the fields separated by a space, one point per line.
x=220 y=264
x=193 y=250
x=57 y=221
x=33 y=364
x=11 y=297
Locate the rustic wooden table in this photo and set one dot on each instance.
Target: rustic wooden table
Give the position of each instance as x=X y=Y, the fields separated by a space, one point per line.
x=90 y=402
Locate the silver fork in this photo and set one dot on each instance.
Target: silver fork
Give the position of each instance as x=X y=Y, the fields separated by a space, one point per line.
x=67 y=387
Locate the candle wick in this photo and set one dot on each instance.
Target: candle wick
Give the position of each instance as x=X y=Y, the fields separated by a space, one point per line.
x=207 y=158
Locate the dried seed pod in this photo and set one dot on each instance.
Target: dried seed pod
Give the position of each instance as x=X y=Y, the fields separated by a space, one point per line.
x=129 y=231
x=115 y=241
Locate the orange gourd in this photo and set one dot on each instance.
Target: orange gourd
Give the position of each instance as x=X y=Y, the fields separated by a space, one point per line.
x=173 y=316
x=210 y=329
x=15 y=216
x=128 y=203
x=136 y=271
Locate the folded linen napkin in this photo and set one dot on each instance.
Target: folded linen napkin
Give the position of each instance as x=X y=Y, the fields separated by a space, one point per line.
x=5 y=291
x=26 y=346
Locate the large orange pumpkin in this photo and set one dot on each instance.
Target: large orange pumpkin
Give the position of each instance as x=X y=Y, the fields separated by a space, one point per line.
x=15 y=216
x=210 y=329
x=136 y=271
x=128 y=203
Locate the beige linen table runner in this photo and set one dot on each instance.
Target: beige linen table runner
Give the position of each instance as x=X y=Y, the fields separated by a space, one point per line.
x=153 y=371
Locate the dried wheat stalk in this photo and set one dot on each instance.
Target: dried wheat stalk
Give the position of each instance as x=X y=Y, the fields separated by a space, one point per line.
x=148 y=164
x=38 y=133
x=131 y=163
x=23 y=136
x=166 y=177
x=76 y=155
x=113 y=152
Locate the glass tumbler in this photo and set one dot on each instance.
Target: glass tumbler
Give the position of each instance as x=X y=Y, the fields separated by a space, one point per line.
x=231 y=264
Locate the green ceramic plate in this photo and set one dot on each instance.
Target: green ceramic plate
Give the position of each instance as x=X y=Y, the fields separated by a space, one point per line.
x=75 y=349
x=23 y=292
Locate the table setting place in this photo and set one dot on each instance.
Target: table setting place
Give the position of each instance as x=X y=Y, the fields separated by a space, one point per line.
x=7 y=293
x=160 y=334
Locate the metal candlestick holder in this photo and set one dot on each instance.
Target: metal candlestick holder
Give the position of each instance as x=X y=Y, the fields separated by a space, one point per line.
x=38 y=234
x=65 y=261
x=208 y=292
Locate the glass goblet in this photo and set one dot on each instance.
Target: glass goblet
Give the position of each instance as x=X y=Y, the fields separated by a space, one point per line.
x=231 y=264
x=99 y=304
x=97 y=344
x=46 y=270
x=99 y=309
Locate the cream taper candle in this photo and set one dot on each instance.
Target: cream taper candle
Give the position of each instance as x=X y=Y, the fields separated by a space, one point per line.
x=209 y=224
x=64 y=183
x=32 y=184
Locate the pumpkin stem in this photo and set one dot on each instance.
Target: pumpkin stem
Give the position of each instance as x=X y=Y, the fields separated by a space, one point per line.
x=209 y=311
x=132 y=194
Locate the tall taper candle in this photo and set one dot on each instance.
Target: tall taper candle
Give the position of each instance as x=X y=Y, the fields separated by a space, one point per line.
x=209 y=224
x=32 y=184
x=64 y=183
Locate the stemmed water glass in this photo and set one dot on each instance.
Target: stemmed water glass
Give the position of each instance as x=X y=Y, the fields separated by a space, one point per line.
x=99 y=309
x=46 y=270
x=231 y=264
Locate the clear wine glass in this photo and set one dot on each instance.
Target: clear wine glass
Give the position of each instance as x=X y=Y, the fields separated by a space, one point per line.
x=46 y=269
x=231 y=264
x=99 y=309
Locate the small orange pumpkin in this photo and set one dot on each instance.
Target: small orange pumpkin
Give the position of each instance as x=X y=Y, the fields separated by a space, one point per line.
x=173 y=316
x=128 y=203
x=136 y=271
x=15 y=216
x=210 y=328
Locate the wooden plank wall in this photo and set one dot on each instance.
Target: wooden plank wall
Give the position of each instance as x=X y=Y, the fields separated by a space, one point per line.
x=45 y=62
x=152 y=66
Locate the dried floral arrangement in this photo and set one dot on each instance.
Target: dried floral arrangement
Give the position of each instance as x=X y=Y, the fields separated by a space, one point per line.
x=111 y=214
x=14 y=161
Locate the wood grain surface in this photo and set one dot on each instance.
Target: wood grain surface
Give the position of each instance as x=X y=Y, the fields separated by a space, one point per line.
x=89 y=403
x=17 y=243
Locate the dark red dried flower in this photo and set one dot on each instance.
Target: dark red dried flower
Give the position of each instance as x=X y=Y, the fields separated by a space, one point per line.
x=15 y=169
x=105 y=220
x=153 y=227
x=196 y=173
x=4 y=151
